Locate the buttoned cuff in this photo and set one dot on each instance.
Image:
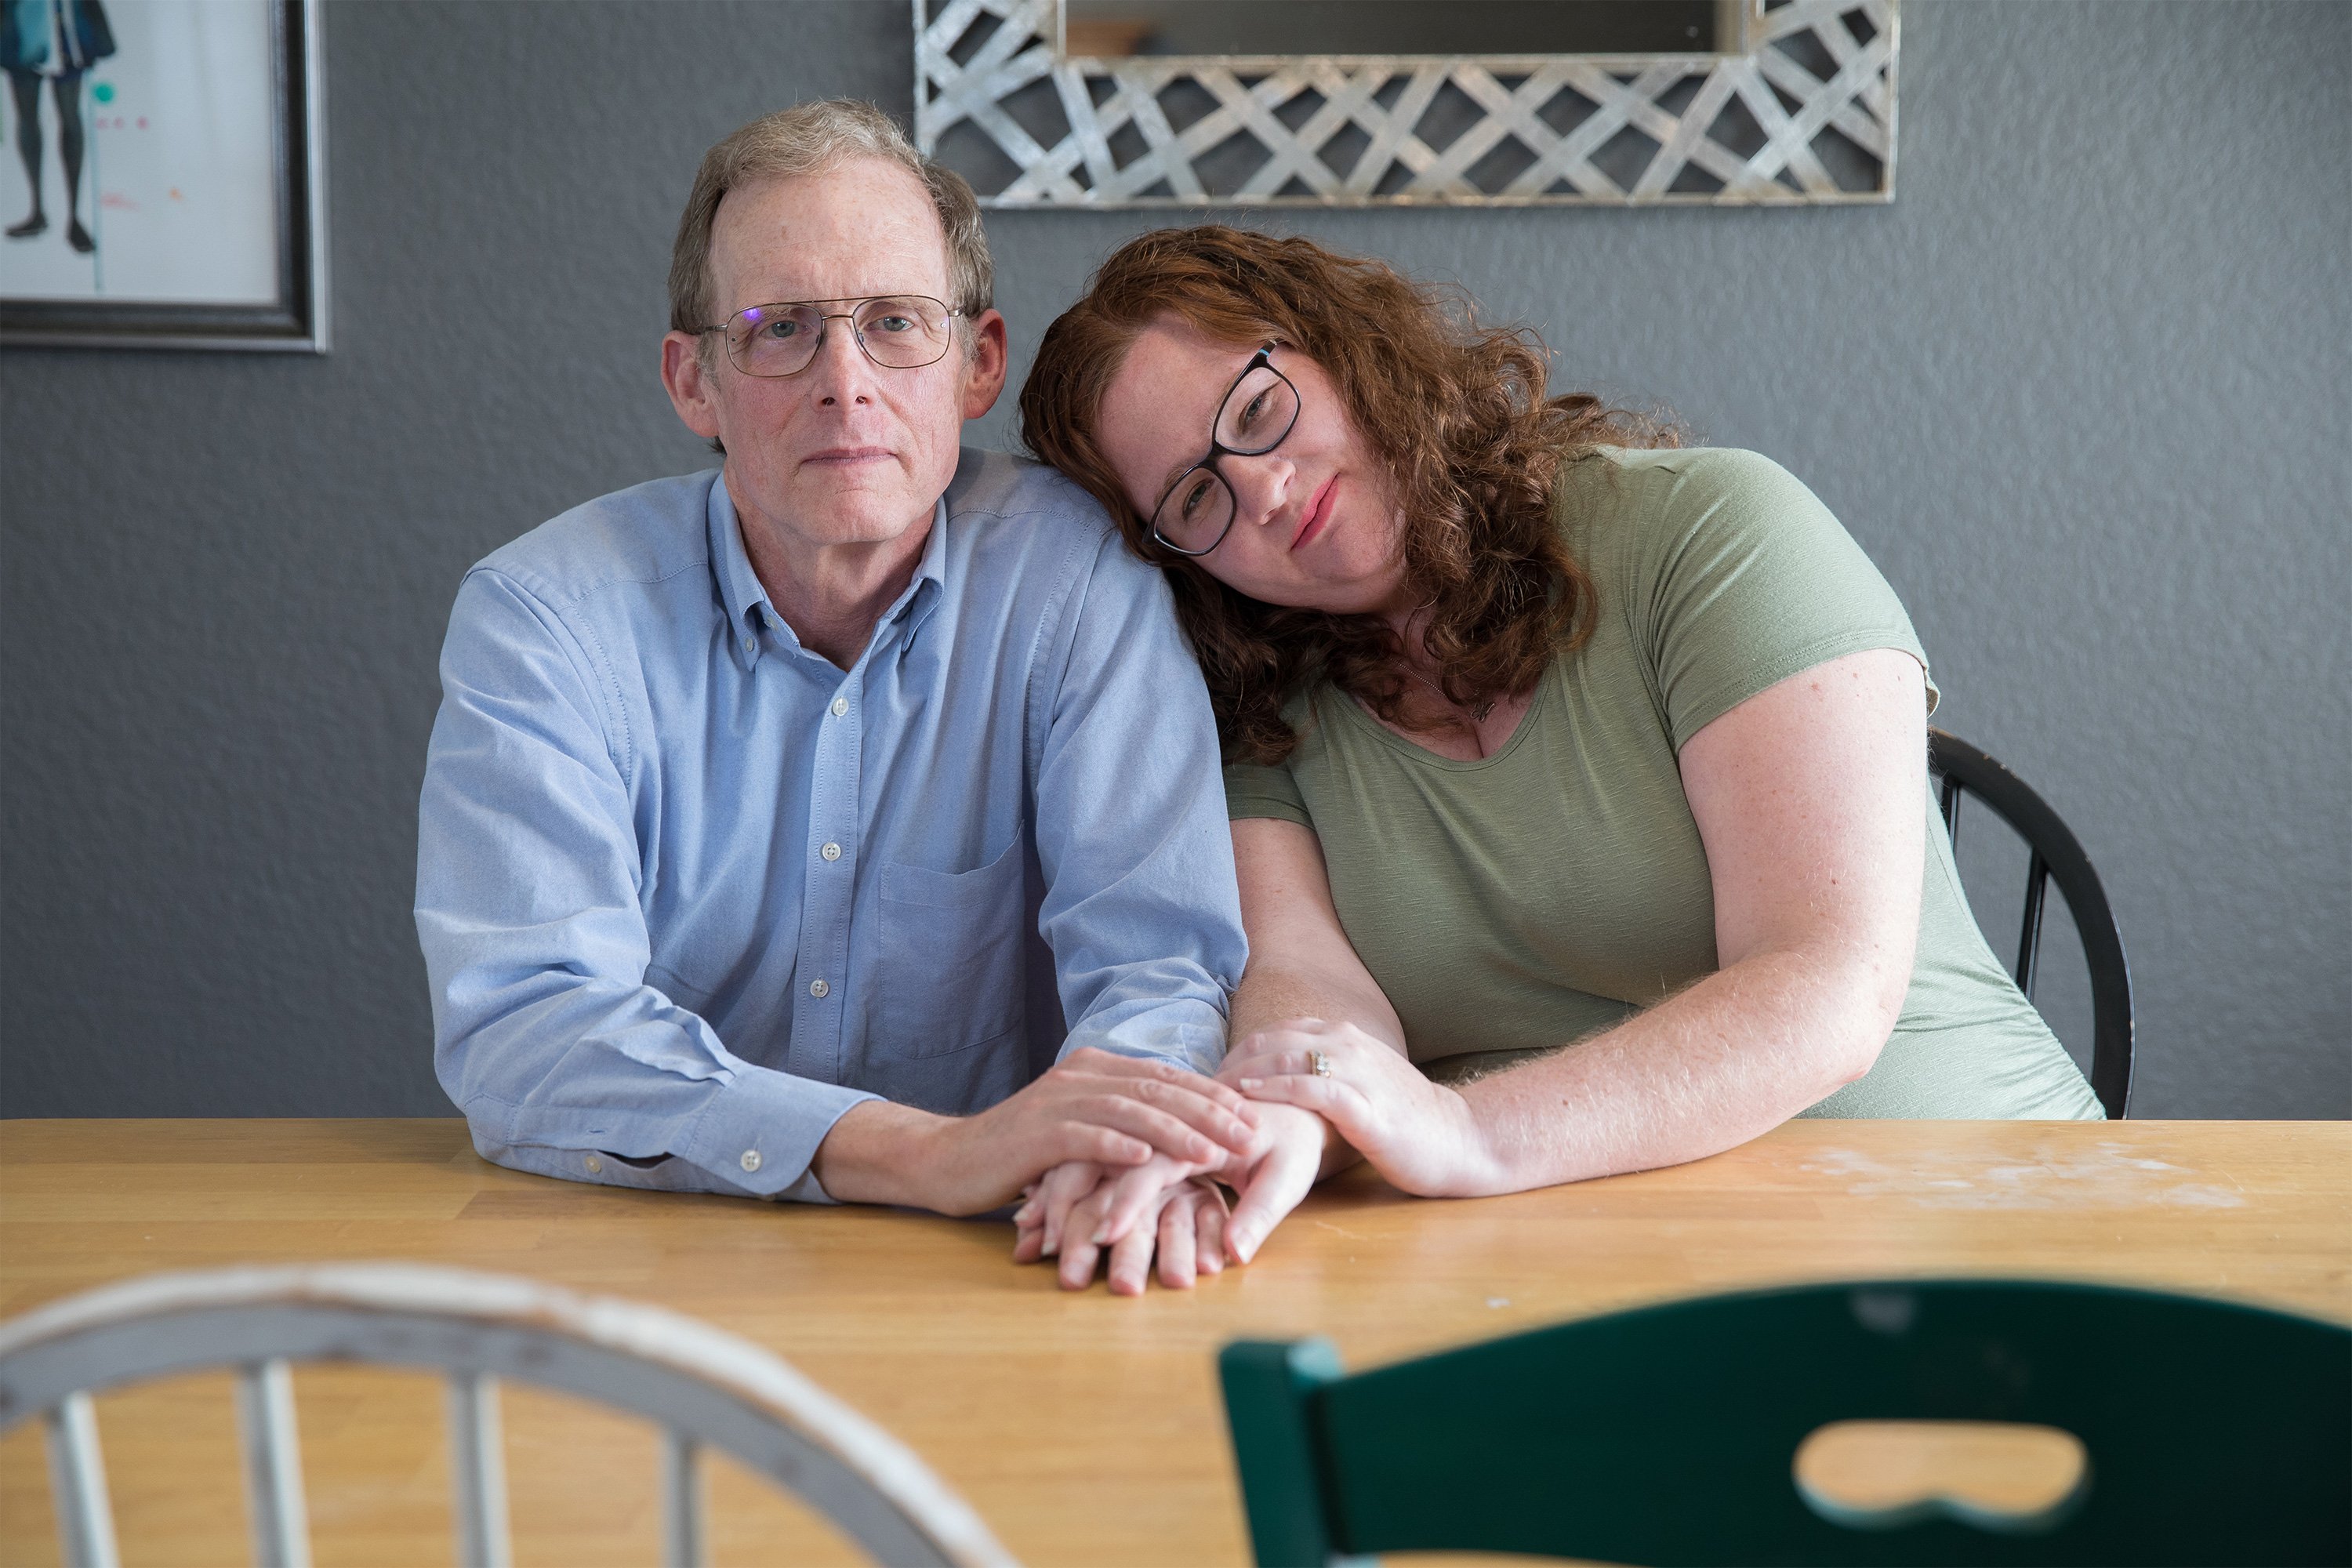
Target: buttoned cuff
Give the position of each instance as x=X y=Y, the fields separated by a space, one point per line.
x=760 y=1132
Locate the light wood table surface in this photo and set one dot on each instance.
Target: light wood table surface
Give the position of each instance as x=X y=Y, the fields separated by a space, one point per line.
x=1087 y=1429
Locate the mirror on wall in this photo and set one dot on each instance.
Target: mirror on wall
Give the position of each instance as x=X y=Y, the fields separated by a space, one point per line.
x=1157 y=103
x=1112 y=28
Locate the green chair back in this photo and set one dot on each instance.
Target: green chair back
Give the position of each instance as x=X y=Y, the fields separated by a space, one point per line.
x=2215 y=1434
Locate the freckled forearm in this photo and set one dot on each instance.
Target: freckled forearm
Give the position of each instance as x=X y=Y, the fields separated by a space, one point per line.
x=1706 y=1070
x=1273 y=992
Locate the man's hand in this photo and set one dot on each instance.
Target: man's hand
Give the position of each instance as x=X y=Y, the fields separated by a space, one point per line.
x=1093 y=1106
x=1080 y=1208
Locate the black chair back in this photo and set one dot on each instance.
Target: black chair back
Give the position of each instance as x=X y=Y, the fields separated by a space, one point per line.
x=2056 y=855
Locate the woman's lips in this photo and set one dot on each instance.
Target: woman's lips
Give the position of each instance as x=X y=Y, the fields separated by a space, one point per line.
x=1319 y=512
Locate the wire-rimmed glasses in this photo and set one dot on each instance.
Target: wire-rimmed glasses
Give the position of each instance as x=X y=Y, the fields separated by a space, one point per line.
x=898 y=331
x=1196 y=512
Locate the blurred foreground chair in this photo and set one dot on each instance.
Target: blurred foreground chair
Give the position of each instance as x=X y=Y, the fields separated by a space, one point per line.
x=702 y=1386
x=2207 y=1433
x=2053 y=852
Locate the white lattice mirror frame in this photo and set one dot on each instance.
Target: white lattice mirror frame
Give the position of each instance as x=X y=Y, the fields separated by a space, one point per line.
x=1798 y=111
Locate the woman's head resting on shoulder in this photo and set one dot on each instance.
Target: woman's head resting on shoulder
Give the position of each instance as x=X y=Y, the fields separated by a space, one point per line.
x=1292 y=505
x=1327 y=460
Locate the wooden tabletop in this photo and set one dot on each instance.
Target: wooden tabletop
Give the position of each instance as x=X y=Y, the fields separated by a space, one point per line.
x=1087 y=1429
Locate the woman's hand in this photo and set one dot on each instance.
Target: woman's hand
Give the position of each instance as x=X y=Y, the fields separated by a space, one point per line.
x=1039 y=1223
x=1420 y=1136
x=1083 y=1206
x=1294 y=1150
x=1163 y=1206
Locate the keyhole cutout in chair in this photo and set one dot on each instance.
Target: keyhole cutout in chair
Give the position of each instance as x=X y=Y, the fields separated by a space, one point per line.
x=2005 y=1477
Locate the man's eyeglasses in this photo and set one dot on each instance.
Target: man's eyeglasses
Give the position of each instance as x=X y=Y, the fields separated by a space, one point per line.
x=898 y=332
x=1259 y=409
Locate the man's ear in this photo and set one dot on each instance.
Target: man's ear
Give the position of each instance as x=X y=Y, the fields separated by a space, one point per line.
x=690 y=386
x=983 y=373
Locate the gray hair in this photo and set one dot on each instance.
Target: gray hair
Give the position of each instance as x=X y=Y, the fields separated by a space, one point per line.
x=815 y=139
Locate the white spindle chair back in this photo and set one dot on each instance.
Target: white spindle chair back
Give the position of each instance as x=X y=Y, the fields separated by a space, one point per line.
x=703 y=1387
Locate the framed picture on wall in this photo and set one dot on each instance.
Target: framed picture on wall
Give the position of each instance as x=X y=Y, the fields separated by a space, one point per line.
x=163 y=183
x=1322 y=103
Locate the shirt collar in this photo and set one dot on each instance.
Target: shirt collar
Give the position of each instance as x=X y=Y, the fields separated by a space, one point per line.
x=749 y=611
x=922 y=595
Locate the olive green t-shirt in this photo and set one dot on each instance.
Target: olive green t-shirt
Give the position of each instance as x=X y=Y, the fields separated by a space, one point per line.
x=1550 y=890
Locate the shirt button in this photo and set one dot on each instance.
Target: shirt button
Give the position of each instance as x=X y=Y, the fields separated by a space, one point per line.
x=594 y=1164
x=818 y=988
x=840 y=706
x=831 y=851
x=750 y=1161
x=748 y=645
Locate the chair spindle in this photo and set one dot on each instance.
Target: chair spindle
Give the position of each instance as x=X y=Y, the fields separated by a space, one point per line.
x=78 y=1486
x=273 y=1465
x=682 y=1543
x=2056 y=855
x=2029 y=936
x=701 y=1389
x=478 y=1474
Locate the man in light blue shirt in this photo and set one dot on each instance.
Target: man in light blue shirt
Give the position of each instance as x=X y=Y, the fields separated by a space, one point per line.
x=751 y=793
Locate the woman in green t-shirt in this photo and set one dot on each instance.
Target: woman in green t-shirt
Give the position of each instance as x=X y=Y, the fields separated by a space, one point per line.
x=1578 y=781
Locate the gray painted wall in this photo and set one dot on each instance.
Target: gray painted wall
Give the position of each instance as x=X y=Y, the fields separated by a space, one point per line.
x=2081 y=391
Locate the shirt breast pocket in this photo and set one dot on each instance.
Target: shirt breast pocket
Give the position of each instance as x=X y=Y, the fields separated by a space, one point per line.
x=952 y=958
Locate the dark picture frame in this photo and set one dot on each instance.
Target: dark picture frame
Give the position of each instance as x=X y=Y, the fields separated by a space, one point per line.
x=296 y=320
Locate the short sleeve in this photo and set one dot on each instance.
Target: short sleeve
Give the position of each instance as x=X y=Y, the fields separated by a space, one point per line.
x=1741 y=579
x=1255 y=791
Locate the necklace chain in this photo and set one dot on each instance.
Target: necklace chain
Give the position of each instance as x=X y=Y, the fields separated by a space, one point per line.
x=1477 y=714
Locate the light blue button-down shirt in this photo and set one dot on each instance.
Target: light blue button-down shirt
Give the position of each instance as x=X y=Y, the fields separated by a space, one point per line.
x=688 y=891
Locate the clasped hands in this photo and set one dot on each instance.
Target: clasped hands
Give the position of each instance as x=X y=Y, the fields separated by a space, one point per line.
x=1283 y=1127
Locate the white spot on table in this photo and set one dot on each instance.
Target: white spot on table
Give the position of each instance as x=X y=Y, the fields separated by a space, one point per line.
x=2109 y=1176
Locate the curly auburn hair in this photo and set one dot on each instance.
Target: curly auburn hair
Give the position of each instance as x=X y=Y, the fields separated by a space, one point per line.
x=1457 y=412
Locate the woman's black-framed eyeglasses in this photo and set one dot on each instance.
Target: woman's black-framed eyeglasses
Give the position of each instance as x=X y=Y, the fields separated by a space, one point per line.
x=898 y=331
x=1196 y=512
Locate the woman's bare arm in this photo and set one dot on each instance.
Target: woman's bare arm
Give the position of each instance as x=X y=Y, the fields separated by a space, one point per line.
x=1807 y=798
x=1301 y=965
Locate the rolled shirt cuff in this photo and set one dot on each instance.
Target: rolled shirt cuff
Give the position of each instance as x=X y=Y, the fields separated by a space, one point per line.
x=1187 y=1033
